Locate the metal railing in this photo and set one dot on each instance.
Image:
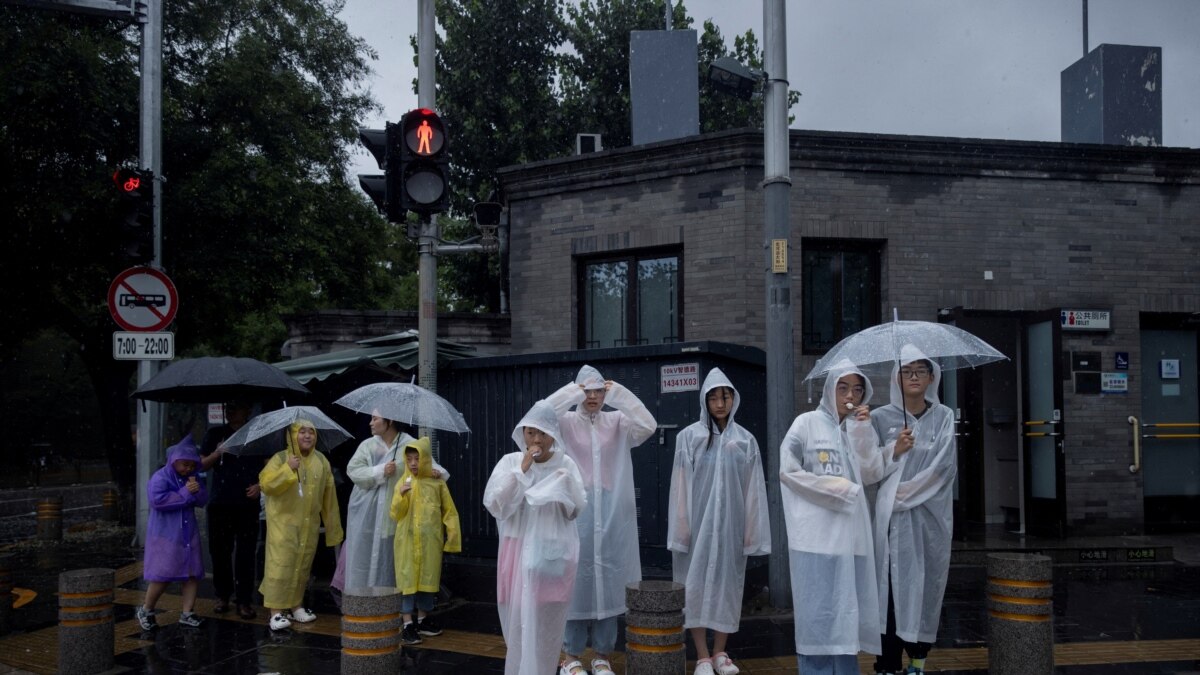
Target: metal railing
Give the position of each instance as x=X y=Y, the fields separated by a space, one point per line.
x=1139 y=433
x=1041 y=423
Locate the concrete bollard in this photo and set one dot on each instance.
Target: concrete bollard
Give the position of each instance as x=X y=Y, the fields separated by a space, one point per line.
x=1020 y=594
x=654 y=628
x=370 y=631
x=6 y=596
x=49 y=519
x=85 y=621
x=109 y=506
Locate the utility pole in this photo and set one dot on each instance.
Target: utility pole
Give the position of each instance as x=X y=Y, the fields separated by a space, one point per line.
x=781 y=391
x=428 y=236
x=149 y=414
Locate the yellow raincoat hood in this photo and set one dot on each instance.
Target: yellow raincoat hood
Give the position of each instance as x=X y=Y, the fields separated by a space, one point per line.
x=293 y=442
x=424 y=459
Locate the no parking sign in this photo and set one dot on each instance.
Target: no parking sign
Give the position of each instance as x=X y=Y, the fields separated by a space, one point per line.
x=142 y=299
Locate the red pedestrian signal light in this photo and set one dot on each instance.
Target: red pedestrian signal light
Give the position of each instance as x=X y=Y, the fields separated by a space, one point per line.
x=424 y=163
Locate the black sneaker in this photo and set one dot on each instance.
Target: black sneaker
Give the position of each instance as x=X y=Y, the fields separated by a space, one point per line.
x=145 y=619
x=427 y=627
x=409 y=636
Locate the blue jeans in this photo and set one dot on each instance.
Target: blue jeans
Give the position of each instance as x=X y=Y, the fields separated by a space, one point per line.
x=826 y=664
x=423 y=600
x=604 y=635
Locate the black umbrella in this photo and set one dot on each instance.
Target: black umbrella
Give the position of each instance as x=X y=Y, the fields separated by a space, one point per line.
x=213 y=379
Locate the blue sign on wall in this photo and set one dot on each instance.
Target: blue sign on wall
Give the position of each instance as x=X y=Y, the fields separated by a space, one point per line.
x=1122 y=361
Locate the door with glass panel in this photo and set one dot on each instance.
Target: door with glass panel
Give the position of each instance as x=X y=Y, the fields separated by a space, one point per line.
x=1044 y=470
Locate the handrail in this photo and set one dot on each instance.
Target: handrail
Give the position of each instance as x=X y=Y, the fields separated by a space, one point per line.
x=1137 y=446
x=1170 y=425
x=1038 y=423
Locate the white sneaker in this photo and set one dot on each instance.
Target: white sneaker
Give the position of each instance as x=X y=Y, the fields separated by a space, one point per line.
x=303 y=615
x=280 y=622
x=724 y=665
x=703 y=668
x=572 y=668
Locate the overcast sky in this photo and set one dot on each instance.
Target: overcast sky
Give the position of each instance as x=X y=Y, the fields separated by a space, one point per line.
x=966 y=68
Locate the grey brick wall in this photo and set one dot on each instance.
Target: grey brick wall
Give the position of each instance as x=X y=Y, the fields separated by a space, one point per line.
x=1057 y=225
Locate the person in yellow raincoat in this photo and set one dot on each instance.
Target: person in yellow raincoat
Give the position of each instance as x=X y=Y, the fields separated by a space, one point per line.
x=298 y=484
x=426 y=526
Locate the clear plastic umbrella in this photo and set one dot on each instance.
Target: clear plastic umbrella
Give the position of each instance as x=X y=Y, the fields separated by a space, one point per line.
x=879 y=346
x=267 y=433
x=406 y=403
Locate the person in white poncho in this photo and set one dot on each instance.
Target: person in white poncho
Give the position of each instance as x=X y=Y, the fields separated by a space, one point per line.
x=824 y=460
x=914 y=511
x=534 y=494
x=366 y=557
x=717 y=516
x=600 y=441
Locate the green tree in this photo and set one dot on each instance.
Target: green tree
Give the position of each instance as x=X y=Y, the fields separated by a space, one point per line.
x=595 y=78
x=496 y=70
x=719 y=111
x=261 y=101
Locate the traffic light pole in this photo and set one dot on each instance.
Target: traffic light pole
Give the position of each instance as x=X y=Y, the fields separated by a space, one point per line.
x=149 y=414
x=427 y=241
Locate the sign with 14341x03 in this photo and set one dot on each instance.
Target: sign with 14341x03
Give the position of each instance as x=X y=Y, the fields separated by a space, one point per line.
x=142 y=346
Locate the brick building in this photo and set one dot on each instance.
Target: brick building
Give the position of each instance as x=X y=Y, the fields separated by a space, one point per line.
x=1066 y=257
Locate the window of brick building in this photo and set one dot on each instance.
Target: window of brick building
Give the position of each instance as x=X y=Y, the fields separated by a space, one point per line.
x=841 y=291
x=631 y=299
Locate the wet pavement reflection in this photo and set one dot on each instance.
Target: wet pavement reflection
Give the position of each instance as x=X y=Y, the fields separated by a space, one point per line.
x=1104 y=606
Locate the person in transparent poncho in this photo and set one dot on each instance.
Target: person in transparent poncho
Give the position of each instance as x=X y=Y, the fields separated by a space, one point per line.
x=534 y=494
x=825 y=459
x=717 y=516
x=600 y=442
x=914 y=511
x=366 y=557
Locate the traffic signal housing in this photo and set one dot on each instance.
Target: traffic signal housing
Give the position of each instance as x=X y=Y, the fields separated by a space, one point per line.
x=425 y=163
x=135 y=229
x=384 y=145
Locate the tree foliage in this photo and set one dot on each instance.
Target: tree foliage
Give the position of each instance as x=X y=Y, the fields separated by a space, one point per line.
x=260 y=102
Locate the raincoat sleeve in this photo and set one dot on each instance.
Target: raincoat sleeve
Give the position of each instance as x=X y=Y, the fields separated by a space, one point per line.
x=164 y=497
x=636 y=420
x=277 y=477
x=930 y=480
x=757 y=538
x=873 y=460
x=505 y=490
x=400 y=502
x=568 y=395
x=563 y=487
x=679 y=504
x=831 y=492
x=331 y=516
x=450 y=520
x=366 y=474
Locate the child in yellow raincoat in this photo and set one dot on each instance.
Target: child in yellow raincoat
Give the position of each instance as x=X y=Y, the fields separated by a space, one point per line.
x=298 y=483
x=426 y=526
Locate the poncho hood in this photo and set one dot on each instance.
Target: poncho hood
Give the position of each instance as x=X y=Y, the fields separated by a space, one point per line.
x=590 y=378
x=829 y=391
x=184 y=449
x=424 y=458
x=540 y=416
x=908 y=354
x=714 y=379
x=293 y=443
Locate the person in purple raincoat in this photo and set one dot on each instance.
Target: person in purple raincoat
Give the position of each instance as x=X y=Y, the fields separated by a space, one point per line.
x=172 y=534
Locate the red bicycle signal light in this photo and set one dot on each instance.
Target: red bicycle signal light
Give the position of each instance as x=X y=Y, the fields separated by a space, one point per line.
x=127 y=180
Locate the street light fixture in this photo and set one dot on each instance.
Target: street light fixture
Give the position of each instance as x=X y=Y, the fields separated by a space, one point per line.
x=729 y=76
